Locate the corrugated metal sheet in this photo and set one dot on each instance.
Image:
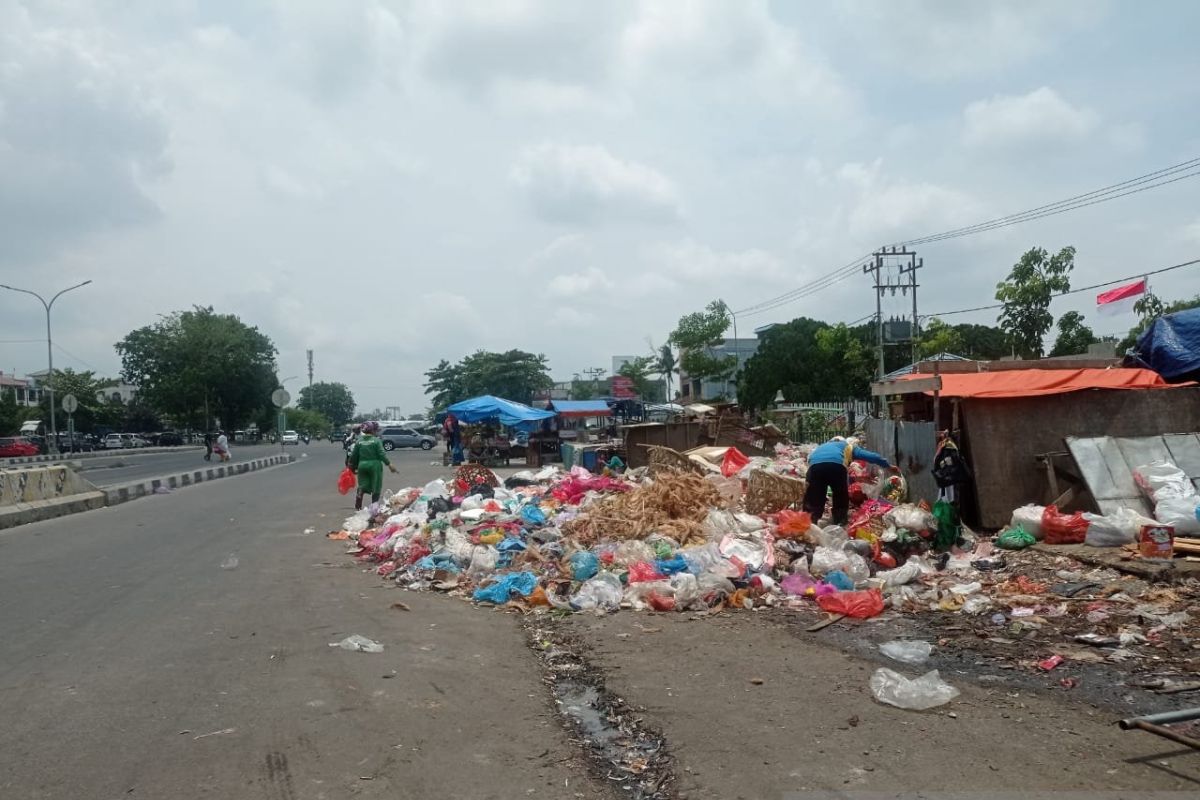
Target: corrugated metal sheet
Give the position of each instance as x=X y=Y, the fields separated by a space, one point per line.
x=911 y=445
x=881 y=437
x=1106 y=464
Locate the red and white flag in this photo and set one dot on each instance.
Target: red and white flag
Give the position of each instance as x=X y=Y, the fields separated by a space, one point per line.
x=1120 y=299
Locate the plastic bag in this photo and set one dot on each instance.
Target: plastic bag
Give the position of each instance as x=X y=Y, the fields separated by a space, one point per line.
x=358 y=643
x=483 y=560
x=603 y=591
x=1160 y=480
x=1116 y=529
x=916 y=694
x=733 y=462
x=632 y=552
x=948 y=527
x=839 y=580
x=643 y=571
x=902 y=575
x=1182 y=513
x=858 y=605
x=719 y=524
x=828 y=559
x=910 y=517
x=1063 y=528
x=584 y=565
x=523 y=583
x=532 y=515
x=751 y=550
x=435 y=488
x=799 y=584
x=1030 y=519
x=793 y=523
x=346 y=481
x=907 y=652
x=686 y=589
x=1015 y=538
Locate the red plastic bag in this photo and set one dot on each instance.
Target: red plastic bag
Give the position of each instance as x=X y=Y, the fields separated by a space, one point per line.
x=793 y=524
x=733 y=462
x=346 y=481
x=1063 y=528
x=859 y=605
x=644 y=571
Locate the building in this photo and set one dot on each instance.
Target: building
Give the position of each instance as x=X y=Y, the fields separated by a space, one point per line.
x=26 y=391
x=620 y=361
x=693 y=391
x=118 y=392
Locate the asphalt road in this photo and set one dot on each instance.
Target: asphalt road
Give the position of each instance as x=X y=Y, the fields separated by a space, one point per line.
x=132 y=465
x=134 y=665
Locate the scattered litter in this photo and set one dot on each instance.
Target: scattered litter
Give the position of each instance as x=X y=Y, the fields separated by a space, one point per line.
x=161 y=490
x=359 y=643
x=221 y=732
x=401 y=607
x=908 y=652
x=230 y=563
x=915 y=694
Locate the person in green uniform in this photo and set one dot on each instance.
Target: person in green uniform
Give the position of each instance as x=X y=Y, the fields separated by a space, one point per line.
x=367 y=459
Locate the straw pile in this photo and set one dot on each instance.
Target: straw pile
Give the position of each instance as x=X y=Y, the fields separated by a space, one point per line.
x=674 y=505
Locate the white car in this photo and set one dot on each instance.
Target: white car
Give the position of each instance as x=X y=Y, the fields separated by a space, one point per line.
x=290 y=437
x=114 y=441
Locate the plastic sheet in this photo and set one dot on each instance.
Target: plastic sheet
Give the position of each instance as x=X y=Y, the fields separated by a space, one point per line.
x=359 y=644
x=1182 y=513
x=584 y=565
x=604 y=591
x=907 y=652
x=916 y=694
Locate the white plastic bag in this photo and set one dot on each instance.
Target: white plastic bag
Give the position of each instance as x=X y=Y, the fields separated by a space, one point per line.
x=1182 y=513
x=719 y=524
x=358 y=643
x=601 y=591
x=1029 y=518
x=687 y=590
x=910 y=517
x=907 y=652
x=828 y=559
x=1116 y=529
x=917 y=694
x=1162 y=479
x=435 y=488
x=909 y=572
x=483 y=560
x=729 y=488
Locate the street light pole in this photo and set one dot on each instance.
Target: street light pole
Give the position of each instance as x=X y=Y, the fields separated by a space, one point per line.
x=53 y=446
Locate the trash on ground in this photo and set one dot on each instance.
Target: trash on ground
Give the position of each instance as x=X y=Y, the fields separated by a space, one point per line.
x=359 y=643
x=913 y=652
x=230 y=563
x=913 y=694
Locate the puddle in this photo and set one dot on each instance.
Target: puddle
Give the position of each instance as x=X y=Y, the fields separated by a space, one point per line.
x=619 y=746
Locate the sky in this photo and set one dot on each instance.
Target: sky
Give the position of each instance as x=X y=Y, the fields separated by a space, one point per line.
x=391 y=183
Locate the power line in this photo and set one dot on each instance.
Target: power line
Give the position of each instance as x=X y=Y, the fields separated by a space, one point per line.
x=1150 y=180
x=1074 y=291
x=69 y=354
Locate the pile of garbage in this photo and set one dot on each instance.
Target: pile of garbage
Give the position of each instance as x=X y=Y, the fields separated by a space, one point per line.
x=675 y=541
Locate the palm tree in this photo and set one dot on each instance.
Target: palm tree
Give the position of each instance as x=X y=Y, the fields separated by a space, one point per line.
x=666 y=364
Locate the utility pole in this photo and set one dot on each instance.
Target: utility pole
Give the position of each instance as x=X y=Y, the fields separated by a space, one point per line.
x=911 y=268
x=909 y=265
x=310 y=374
x=875 y=267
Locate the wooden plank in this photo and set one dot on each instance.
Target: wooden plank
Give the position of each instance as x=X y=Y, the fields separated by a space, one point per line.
x=907 y=386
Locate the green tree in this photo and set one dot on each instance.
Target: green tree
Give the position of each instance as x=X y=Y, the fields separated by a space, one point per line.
x=983 y=342
x=1026 y=295
x=696 y=335
x=1073 y=335
x=938 y=337
x=513 y=375
x=196 y=365
x=94 y=408
x=309 y=421
x=1150 y=308
x=333 y=400
x=783 y=362
x=583 y=390
x=11 y=414
x=665 y=366
x=639 y=370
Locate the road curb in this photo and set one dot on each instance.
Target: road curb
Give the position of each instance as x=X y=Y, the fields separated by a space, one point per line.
x=54 y=459
x=24 y=513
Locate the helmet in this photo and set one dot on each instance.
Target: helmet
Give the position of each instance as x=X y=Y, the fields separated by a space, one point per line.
x=371 y=427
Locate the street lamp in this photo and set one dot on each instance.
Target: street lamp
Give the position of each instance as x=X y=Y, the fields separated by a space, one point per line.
x=49 y=352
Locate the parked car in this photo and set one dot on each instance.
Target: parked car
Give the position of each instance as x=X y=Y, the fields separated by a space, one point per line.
x=170 y=439
x=79 y=443
x=17 y=447
x=405 y=437
x=113 y=441
x=290 y=437
x=135 y=440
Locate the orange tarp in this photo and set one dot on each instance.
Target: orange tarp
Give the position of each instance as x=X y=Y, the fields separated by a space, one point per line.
x=1035 y=382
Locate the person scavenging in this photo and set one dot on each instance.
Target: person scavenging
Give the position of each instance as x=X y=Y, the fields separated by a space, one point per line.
x=828 y=471
x=367 y=459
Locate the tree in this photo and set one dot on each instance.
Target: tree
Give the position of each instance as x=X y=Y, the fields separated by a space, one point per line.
x=638 y=370
x=696 y=335
x=665 y=365
x=309 y=421
x=513 y=375
x=94 y=408
x=333 y=400
x=11 y=414
x=1150 y=308
x=1073 y=335
x=194 y=365
x=583 y=390
x=983 y=342
x=782 y=363
x=938 y=337
x=1026 y=295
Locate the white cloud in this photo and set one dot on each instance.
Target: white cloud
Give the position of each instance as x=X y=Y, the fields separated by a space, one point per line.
x=586 y=184
x=578 y=283
x=1041 y=117
x=691 y=261
x=1191 y=232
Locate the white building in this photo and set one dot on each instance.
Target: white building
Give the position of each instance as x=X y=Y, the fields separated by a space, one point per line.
x=26 y=391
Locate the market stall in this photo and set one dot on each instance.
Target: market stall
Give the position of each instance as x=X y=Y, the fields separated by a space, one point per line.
x=585 y=432
x=487 y=417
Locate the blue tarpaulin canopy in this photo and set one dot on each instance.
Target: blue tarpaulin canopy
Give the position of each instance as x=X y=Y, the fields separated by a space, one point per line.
x=1171 y=345
x=506 y=412
x=581 y=408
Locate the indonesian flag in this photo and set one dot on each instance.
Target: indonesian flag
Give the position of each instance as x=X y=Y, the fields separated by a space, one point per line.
x=1121 y=299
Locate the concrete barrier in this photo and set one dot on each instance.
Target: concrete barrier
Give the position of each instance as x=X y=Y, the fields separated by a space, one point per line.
x=27 y=495
x=58 y=458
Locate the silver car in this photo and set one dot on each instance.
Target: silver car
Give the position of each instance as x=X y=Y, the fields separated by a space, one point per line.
x=405 y=437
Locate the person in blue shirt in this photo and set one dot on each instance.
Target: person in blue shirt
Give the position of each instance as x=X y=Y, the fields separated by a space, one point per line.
x=828 y=469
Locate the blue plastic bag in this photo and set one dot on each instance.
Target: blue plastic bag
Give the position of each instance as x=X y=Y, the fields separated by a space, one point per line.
x=438 y=561
x=533 y=515
x=839 y=580
x=510 y=545
x=671 y=566
x=523 y=583
x=584 y=565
